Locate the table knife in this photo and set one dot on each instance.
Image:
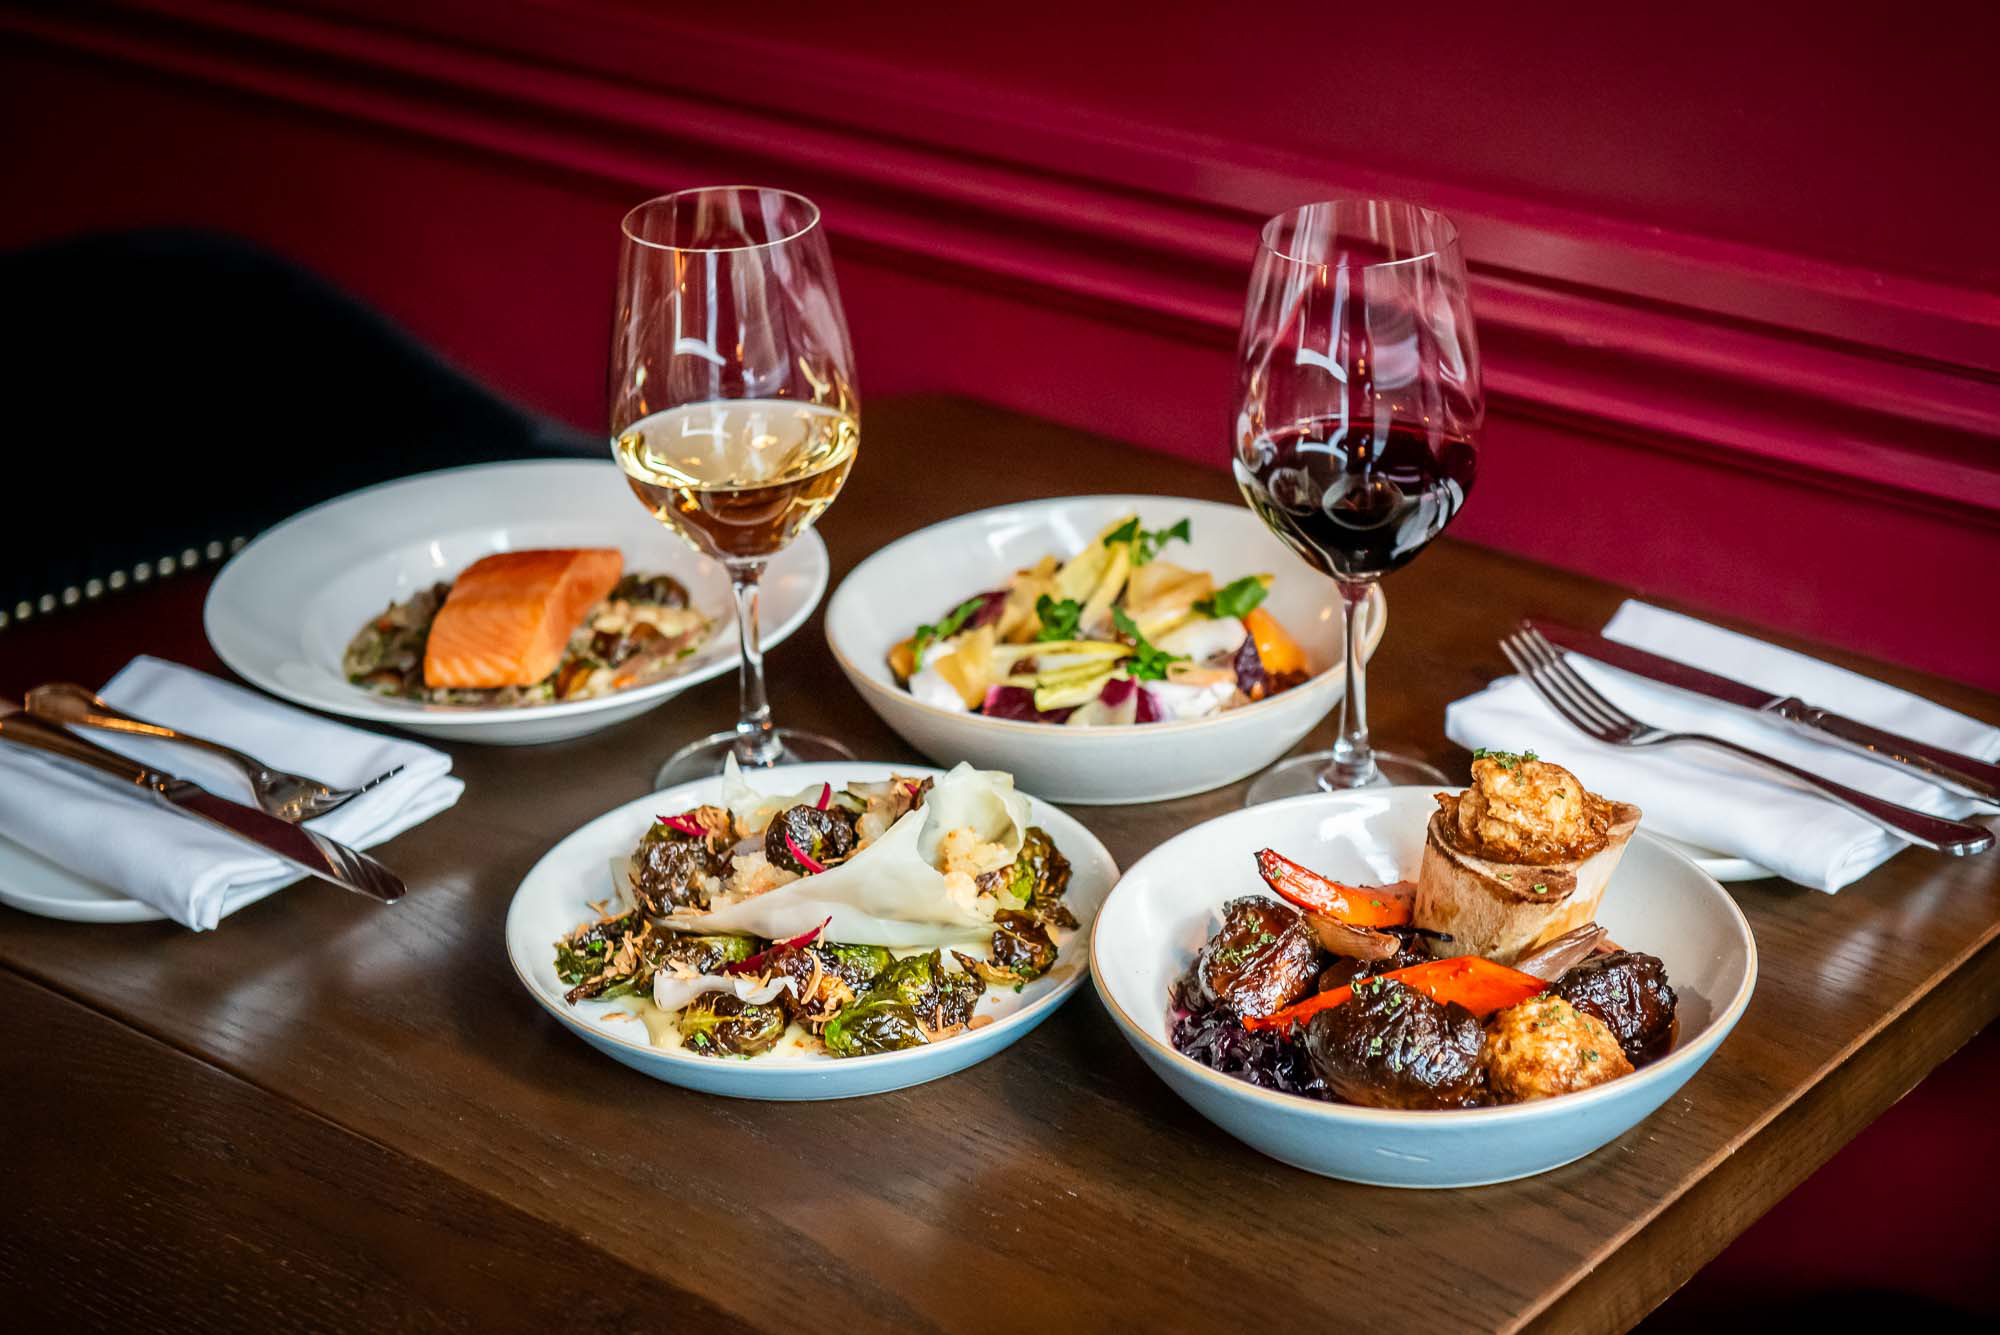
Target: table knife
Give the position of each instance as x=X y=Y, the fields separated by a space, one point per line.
x=1965 y=775
x=312 y=853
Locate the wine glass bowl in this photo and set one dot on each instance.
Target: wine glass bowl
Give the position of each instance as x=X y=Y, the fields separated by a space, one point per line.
x=1358 y=407
x=732 y=405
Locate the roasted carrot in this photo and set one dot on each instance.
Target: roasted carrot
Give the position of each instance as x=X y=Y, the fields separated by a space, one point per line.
x=1358 y=906
x=1474 y=982
x=1276 y=649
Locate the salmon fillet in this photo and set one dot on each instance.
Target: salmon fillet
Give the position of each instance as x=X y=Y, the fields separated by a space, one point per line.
x=510 y=615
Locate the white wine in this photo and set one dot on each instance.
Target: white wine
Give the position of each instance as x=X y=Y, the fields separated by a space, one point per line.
x=739 y=478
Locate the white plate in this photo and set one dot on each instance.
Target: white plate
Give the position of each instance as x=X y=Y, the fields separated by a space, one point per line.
x=1169 y=903
x=31 y=883
x=282 y=612
x=555 y=895
x=926 y=573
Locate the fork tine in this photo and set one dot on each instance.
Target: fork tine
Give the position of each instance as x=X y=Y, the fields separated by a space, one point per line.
x=1590 y=695
x=1535 y=677
x=1559 y=676
x=1553 y=690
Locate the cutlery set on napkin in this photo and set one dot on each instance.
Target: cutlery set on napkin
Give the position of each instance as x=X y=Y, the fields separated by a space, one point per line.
x=1908 y=771
x=1805 y=770
x=205 y=845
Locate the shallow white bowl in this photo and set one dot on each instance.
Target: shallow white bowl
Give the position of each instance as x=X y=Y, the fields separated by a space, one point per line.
x=282 y=612
x=923 y=575
x=1170 y=901
x=556 y=894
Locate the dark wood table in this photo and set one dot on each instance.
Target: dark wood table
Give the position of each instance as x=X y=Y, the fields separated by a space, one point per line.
x=330 y=1114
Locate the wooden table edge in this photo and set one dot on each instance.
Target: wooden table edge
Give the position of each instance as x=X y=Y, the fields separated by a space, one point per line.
x=1623 y=1282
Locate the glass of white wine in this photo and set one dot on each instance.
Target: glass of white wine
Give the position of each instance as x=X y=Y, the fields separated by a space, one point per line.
x=733 y=411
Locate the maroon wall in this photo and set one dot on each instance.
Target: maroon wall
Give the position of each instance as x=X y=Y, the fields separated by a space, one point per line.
x=1733 y=269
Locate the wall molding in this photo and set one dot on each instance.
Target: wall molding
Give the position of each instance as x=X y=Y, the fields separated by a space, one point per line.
x=1674 y=342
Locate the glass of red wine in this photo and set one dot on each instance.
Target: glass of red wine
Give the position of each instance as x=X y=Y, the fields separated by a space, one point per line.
x=1357 y=407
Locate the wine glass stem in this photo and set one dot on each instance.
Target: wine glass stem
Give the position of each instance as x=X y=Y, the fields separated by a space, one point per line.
x=757 y=741
x=1353 y=762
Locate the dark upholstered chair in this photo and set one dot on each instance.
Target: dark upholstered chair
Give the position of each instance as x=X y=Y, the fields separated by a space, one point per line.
x=171 y=392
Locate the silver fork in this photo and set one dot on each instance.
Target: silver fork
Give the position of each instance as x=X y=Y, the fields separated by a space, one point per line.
x=289 y=797
x=1585 y=709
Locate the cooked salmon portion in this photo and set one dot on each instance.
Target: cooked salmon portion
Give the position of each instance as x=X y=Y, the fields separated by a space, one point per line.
x=509 y=616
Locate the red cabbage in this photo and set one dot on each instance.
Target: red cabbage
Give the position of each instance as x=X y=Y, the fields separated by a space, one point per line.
x=1264 y=1058
x=1018 y=703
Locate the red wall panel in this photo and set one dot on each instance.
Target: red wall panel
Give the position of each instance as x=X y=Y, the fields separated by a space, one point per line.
x=496 y=245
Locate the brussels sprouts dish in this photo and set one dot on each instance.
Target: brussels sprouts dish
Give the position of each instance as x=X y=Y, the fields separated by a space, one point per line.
x=967 y=896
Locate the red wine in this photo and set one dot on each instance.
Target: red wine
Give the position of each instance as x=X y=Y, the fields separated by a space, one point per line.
x=1356 y=504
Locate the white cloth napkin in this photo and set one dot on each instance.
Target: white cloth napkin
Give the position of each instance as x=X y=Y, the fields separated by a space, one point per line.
x=186 y=868
x=1709 y=798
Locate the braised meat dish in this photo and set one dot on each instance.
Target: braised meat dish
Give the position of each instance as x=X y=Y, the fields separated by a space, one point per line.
x=1342 y=993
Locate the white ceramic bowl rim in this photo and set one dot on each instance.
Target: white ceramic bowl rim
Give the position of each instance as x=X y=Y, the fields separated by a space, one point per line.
x=1377 y=621
x=791 y=1065
x=387 y=709
x=1683 y=1053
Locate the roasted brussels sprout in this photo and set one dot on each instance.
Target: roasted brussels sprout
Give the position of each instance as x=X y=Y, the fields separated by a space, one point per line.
x=824 y=836
x=722 y=1024
x=1040 y=877
x=1022 y=951
x=704 y=954
x=817 y=991
x=672 y=869
x=856 y=965
x=910 y=1003
x=612 y=957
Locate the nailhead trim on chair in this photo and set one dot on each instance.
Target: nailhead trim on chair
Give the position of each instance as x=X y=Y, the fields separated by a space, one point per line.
x=143 y=573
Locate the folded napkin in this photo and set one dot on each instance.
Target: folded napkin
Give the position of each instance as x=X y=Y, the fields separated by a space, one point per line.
x=186 y=868
x=1712 y=799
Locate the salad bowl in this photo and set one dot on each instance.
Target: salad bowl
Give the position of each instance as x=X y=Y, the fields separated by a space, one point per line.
x=932 y=570
x=1159 y=915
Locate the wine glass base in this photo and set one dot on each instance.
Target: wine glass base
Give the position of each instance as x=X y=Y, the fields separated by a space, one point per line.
x=1304 y=774
x=702 y=759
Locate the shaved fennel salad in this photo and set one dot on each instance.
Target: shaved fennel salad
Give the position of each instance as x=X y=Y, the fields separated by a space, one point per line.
x=836 y=922
x=1113 y=636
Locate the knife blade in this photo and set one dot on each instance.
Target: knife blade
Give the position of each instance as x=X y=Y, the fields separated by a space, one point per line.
x=307 y=850
x=1961 y=774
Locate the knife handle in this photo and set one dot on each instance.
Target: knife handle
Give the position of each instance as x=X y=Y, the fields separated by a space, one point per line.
x=24 y=729
x=1965 y=775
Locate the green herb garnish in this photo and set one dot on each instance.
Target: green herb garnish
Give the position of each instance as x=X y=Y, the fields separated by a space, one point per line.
x=1147 y=663
x=1236 y=599
x=1504 y=759
x=1058 y=618
x=943 y=630
x=1541 y=889
x=1146 y=542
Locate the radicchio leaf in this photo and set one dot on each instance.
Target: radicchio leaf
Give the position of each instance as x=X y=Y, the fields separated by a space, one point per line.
x=1018 y=703
x=991 y=604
